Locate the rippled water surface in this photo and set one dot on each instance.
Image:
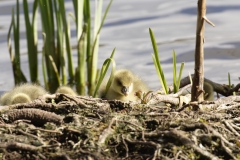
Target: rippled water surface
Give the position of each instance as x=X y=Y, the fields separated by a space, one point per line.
x=174 y=25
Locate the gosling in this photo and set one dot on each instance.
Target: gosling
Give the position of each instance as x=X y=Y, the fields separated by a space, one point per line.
x=208 y=91
x=124 y=87
x=22 y=94
x=66 y=90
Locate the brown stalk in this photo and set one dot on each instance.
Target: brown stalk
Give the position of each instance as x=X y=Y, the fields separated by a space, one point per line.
x=197 y=89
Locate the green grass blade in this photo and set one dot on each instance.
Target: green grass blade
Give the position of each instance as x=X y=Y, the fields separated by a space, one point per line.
x=102 y=22
x=104 y=16
x=158 y=71
x=16 y=62
x=229 y=80
x=157 y=64
x=44 y=70
x=176 y=79
x=80 y=76
x=78 y=10
x=34 y=22
x=31 y=41
x=10 y=41
x=81 y=69
x=69 y=54
x=66 y=31
x=98 y=16
x=154 y=44
x=17 y=78
x=159 y=74
x=180 y=75
x=111 y=76
x=55 y=69
x=112 y=55
x=16 y=28
x=87 y=20
x=174 y=72
x=94 y=51
x=103 y=72
x=48 y=27
x=95 y=47
x=230 y=83
x=60 y=41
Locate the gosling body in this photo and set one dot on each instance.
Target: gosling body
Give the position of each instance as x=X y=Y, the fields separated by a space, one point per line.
x=22 y=94
x=66 y=90
x=124 y=86
x=208 y=91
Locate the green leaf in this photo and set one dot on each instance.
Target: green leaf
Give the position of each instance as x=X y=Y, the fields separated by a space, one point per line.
x=50 y=49
x=157 y=64
x=174 y=72
x=176 y=79
x=103 y=72
x=180 y=75
x=93 y=56
x=81 y=69
x=31 y=34
x=43 y=63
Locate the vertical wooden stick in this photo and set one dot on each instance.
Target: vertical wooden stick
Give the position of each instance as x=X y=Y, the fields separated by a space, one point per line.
x=197 y=88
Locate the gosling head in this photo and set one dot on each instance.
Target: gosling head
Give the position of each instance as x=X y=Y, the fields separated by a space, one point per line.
x=20 y=98
x=123 y=82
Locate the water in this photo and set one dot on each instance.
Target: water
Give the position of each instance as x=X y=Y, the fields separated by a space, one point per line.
x=174 y=25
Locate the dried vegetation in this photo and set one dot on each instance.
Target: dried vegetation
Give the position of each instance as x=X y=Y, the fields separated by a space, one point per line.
x=61 y=126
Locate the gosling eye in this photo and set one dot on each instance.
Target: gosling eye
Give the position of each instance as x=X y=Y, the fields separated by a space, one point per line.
x=119 y=82
x=124 y=90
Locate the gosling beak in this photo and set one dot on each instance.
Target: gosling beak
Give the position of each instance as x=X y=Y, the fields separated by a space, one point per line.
x=125 y=90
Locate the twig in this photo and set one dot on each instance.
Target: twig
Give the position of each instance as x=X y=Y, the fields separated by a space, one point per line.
x=177 y=155
x=31 y=135
x=20 y=146
x=208 y=21
x=217 y=134
x=184 y=140
x=228 y=151
x=126 y=146
x=37 y=116
x=108 y=131
x=229 y=126
x=157 y=98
